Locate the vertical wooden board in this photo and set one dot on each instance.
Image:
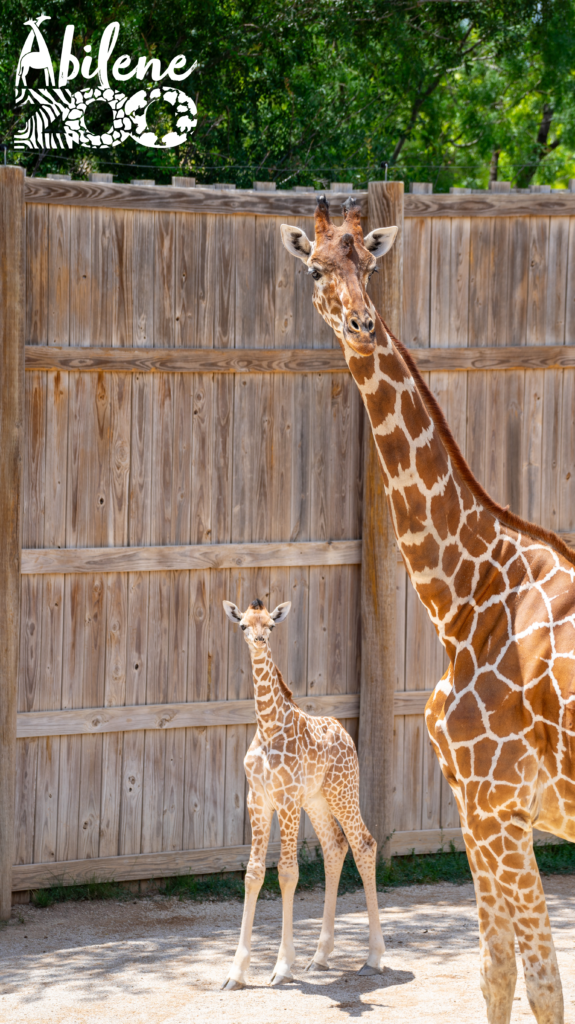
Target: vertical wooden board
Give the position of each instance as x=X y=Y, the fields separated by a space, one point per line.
x=401 y=792
x=479 y=279
x=215 y=737
x=139 y=509
x=33 y=490
x=130 y=827
x=223 y=396
x=317 y=631
x=280 y=591
x=459 y=284
x=201 y=427
x=196 y=279
x=550 y=442
x=301 y=472
x=498 y=317
x=37 y=220
x=566 y=515
x=26 y=771
x=402 y=586
x=46 y=804
x=224 y=282
x=59 y=276
x=246 y=282
x=71 y=746
x=504 y=430
x=120 y=389
x=570 y=296
x=531 y=445
x=538 y=268
x=156 y=693
x=284 y=298
x=416 y=281
x=518 y=280
x=81 y=276
x=412 y=804
x=162 y=458
x=68 y=797
x=450 y=390
x=431 y=784
x=250 y=733
x=90 y=797
x=88 y=460
x=143 y=266
x=353 y=629
x=556 y=298
x=297 y=631
x=423 y=652
x=265 y=252
x=440 y=289
x=115 y=694
x=174 y=777
x=319 y=456
x=93 y=686
x=235 y=801
x=194 y=789
x=164 y=280
x=306 y=319
x=475 y=440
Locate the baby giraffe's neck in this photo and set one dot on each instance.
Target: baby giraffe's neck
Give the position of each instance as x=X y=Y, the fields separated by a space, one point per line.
x=274 y=708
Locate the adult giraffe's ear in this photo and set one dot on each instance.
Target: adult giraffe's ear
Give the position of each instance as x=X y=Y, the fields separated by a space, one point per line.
x=296 y=242
x=380 y=241
x=232 y=611
x=281 y=612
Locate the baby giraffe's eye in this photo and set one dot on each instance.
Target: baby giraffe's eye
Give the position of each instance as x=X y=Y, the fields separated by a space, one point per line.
x=243 y=627
x=314 y=273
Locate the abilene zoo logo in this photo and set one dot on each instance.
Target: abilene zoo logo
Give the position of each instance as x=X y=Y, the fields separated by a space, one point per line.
x=58 y=103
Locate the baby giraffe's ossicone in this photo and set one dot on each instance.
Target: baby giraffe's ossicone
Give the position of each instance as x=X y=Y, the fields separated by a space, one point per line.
x=295 y=761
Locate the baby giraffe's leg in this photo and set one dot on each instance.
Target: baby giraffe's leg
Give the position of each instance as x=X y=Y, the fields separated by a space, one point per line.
x=345 y=806
x=261 y=813
x=288 y=872
x=334 y=847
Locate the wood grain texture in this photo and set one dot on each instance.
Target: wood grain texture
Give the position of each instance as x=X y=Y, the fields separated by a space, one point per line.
x=12 y=326
x=169 y=557
x=490 y=205
x=166 y=198
x=210 y=861
x=297 y=361
x=378 y=573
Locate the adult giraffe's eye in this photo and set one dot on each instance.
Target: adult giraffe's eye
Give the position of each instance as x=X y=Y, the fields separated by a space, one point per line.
x=243 y=627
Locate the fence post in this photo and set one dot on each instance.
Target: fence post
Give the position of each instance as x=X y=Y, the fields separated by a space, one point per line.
x=379 y=560
x=12 y=298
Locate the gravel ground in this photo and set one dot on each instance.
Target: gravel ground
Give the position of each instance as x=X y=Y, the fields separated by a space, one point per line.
x=156 y=960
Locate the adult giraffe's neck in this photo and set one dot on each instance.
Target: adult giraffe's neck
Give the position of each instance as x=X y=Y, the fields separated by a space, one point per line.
x=445 y=532
x=274 y=707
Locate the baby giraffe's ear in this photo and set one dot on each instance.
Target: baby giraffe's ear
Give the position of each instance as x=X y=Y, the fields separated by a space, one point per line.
x=296 y=241
x=380 y=241
x=281 y=612
x=232 y=611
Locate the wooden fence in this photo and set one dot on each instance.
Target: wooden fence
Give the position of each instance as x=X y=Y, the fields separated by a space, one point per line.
x=191 y=434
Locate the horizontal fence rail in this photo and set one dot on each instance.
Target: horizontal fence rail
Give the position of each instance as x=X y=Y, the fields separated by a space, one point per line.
x=169 y=360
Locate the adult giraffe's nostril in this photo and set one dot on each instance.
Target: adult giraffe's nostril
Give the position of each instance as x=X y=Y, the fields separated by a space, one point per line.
x=370 y=325
x=354 y=324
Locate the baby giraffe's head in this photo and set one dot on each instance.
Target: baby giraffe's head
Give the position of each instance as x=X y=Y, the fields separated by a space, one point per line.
x=257 y=623
x=341 y=262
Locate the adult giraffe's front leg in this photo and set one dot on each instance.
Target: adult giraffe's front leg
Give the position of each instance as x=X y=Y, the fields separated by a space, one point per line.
x=511 y=904
x=288 y=872
x=261 y=814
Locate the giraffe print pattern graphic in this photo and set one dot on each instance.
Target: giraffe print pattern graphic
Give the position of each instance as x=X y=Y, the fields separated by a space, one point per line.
x=501 y=595
x=298 y=761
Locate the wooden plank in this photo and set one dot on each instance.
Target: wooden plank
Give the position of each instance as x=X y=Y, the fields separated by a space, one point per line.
x=193 y=556
x=215 y=860
x=80 y=278
x=378 y=583
x=489 y=205
x=12 y=327
x=416 y=283
x=297 y=361
x=195 y=714
x=459 y=283
x=570 y=297
x=59 y=276
x=164 y=198
x=37 y=252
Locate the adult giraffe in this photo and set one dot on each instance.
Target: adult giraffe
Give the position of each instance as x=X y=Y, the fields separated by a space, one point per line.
x=501 y=595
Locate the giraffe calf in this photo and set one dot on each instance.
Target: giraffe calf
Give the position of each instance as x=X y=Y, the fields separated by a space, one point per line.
x=295 y=761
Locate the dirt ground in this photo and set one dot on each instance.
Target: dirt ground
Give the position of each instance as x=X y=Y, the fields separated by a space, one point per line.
x=156 y=960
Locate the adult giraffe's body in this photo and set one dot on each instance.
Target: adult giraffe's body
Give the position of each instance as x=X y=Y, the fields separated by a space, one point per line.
x=501 y=595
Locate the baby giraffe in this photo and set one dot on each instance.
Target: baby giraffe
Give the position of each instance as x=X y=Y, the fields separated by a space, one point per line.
x=298 y=761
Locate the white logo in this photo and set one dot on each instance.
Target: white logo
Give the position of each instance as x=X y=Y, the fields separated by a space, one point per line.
x=129 y=113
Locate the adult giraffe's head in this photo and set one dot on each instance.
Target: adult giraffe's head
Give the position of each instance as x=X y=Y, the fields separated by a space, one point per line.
x=341 y=261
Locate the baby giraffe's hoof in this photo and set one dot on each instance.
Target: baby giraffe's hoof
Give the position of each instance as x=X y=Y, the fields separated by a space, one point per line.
x=366 y=971
x=280 y=979
x=231 y=984
x=314 y=966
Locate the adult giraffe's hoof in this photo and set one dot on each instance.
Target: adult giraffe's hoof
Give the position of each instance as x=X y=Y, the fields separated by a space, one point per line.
x=366 y=971
x=314 y=966
x=231 y=984
x=280 y=979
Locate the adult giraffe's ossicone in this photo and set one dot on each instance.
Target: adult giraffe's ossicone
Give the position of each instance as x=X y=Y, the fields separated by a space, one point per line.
x=501 y=595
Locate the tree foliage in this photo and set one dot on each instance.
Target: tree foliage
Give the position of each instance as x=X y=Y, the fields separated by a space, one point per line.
x=309 y=91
